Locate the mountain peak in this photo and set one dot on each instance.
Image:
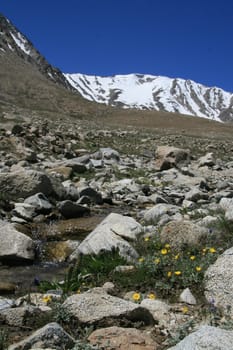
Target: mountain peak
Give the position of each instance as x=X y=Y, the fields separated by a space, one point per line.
x=144 y=91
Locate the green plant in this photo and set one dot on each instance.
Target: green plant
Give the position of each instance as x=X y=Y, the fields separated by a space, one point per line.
x=88 y=271
x=165 y=270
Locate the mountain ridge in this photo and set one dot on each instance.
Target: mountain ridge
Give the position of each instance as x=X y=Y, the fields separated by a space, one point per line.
x=132 y=91
x=145 y=91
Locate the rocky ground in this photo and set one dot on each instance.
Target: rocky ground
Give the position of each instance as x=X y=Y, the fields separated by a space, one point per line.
x=161 y=203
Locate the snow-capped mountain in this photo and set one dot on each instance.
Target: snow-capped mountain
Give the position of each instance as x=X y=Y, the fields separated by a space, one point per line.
x=154 y=93
x=12 y=41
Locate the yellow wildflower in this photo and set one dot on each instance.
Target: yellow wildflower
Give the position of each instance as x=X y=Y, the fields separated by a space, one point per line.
x=146 y=239
x=192 y=257
x=185 y=309
x=167 y=246
x=157 y=261
x=176 y=257
x=169 y=274
x=204 y=251
x=164 y=251
x=212 y=250
x=198 y=268
x=136 y=296
x=152 y=296
x=141 y=259
x=46 y=298
x=177 y=273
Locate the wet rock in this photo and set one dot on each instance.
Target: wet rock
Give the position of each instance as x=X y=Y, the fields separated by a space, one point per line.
x=52 y=335
x=60 y=251
x=96 y=305
x=206 y=337
x=70 y=209
x=15 y=246
x=118 y=338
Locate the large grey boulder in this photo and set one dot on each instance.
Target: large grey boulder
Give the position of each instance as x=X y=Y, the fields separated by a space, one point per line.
x=183 y=233
x=15 y=246
x=206 y=338
x=219 y=281
x=96 y=305
x=154 y=214
x=25 y=183
x=109 y=234
x=52 y=335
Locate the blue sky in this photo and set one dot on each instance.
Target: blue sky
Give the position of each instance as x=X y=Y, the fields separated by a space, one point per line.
x=185 y=39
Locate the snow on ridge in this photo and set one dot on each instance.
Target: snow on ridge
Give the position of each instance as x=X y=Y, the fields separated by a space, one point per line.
x=21 y=42
x=153 y=92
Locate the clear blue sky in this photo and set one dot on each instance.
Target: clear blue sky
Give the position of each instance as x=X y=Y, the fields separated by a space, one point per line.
x=189 y=39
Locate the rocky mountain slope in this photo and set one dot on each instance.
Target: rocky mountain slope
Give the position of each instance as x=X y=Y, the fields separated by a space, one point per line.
x=12 y=40
x=155 y=93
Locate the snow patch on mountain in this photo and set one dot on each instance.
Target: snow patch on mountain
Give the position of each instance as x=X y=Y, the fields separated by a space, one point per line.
x=21 y=42
x=143 y=91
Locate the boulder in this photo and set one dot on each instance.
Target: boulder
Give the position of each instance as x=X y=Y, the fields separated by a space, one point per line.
x=168 y=157
x=183 y=233
x=15 y=246
x=6 y=303
x=94 y=196
x=25 y=183
x=154 y=214
x=22 y=316
x=52 y=335
x=119 y=338
x=109 y=234
x=40 y=202
x=206 y=160
x=71 y=210
x=206 y=337
x=218 y=282
x=96 y=305
x=24 y=211
x=195 y=195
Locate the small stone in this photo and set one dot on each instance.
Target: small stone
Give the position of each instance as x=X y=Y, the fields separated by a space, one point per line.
x=187 y=297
